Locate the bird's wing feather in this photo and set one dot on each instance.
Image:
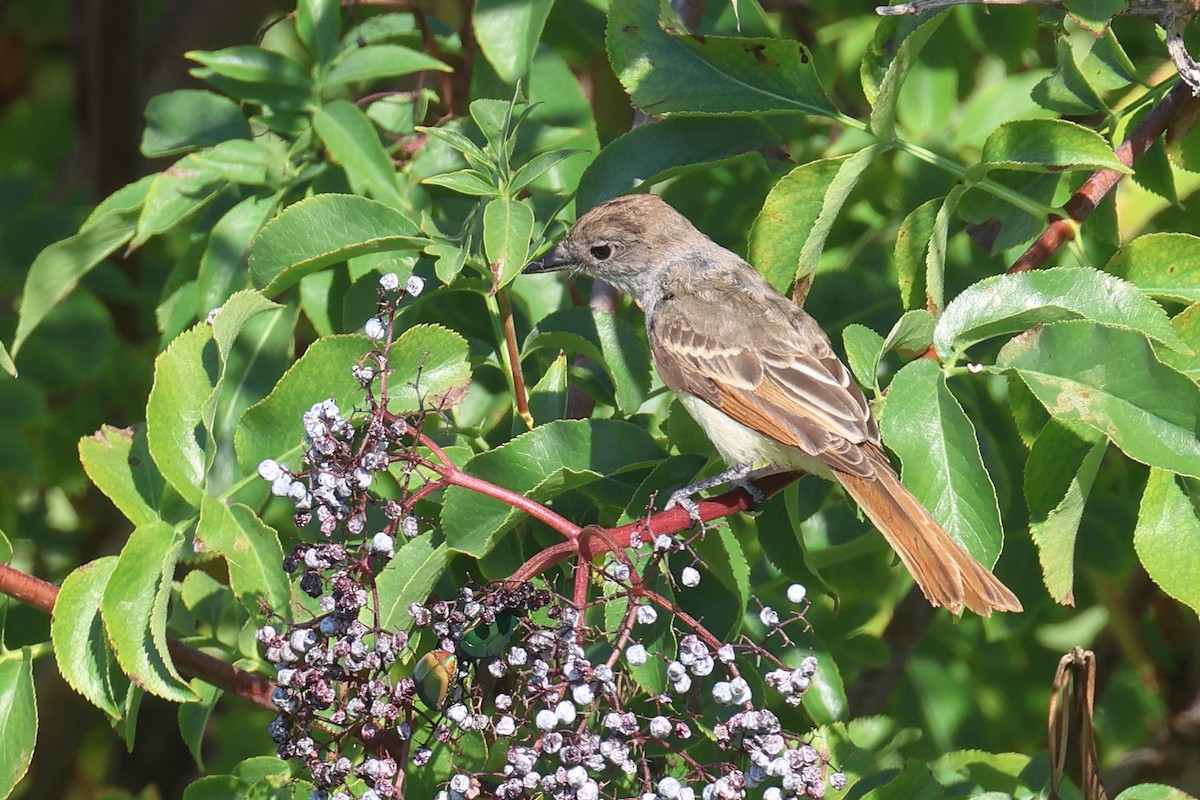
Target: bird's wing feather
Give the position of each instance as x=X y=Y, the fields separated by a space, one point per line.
x=780 y=378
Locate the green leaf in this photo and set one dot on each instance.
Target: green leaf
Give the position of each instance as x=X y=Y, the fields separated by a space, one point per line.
x=324 y=230
x=1067 y=90
x=672 y=146
x=108 y=458
x=507 y=229
x=350 y=137
x=409 y=578
x=379 y=61
x=193 y=719
x=1058 y=478
x=912 y=334
x=538 y=166
x=541 y=465
x=317 y=24
x=273 y=426
x=223 y=264
x=58 y=269
x=790 y=231
x=936 y=443
x=253 y=65
x=864 y=348
x=548 y=398
x=1095 y=15
x=912 y=242
x=233 y=316
x=607 y=340
x=792 y=208
x=205 y=598
x=251 y=550
x=6 y=362
x=188 y=119
x=665 y=70
x=81 y=648
x=459 y=142
x=134 y=609
x=18 y=704
x=1165 y=265
x=1048 y=145
x=237 y=161
x=1153 y=791
x=217 y=787
x=978 y=772
x=1167 y=538
x=508 y=33
x=725 y=559
x=897 y=42
x=175 y=194
x=1006 y=304
x=1187 y=326
x=825 y=699
x=463 y=181
x=1110 y=379
x=174 y=412
x=935 y=252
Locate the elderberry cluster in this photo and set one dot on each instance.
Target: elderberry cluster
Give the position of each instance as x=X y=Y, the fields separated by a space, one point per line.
x=508 y=689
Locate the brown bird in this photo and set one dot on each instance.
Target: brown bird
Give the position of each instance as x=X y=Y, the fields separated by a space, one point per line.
x=761 y=378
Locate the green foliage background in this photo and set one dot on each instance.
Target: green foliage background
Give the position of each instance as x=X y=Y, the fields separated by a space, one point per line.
x=898 y=165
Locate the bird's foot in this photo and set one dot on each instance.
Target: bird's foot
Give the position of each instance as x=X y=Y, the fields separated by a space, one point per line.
x=736 y=476
x=756 y=494
x=683 y=499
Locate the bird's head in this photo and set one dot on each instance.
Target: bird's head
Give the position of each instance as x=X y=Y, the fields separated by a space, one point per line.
x=625 y=241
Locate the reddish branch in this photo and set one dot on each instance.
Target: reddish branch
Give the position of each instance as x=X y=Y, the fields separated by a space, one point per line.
x=1178 y=103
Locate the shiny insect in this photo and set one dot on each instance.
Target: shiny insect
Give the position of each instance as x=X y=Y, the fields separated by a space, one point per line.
x=437 y=674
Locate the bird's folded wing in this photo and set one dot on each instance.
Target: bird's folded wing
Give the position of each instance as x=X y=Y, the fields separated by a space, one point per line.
x=777 y=376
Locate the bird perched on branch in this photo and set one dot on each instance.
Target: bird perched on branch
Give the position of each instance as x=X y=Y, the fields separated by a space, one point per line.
x=760 y=377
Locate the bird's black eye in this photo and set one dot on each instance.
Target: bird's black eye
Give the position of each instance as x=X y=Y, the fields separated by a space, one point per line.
x=601 y=252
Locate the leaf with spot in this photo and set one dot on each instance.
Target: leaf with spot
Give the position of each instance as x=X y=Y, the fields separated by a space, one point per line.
x=1110 y=379
x=790 y=231
x=1165 y=265
x=118 y=462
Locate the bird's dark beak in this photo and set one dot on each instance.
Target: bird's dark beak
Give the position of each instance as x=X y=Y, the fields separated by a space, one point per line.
x=550 y=262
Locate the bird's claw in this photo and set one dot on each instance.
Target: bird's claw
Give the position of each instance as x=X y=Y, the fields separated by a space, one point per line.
x=756 y=495
x=683 y=499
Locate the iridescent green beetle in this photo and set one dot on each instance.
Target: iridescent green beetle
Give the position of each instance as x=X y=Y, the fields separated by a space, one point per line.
x=435 y=676
x=487 y=640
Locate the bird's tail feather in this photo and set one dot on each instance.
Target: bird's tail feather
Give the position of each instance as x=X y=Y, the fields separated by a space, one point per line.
x=946 y=573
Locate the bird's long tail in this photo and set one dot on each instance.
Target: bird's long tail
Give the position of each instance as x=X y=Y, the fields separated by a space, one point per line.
x=947 y=574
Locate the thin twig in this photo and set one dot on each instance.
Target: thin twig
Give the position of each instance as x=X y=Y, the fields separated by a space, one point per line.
x=921 y=6
x=1177 y=103
x=520 y=396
